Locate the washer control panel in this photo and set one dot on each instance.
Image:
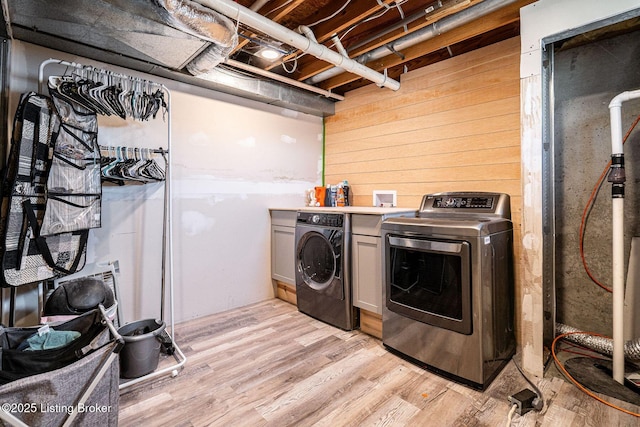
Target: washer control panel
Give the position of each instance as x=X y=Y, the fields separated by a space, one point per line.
x=321 y=219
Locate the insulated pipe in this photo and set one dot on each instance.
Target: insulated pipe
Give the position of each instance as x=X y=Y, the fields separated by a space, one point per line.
x=448 y=23
x=617 y=178
x=285 y=35
x=600 y=344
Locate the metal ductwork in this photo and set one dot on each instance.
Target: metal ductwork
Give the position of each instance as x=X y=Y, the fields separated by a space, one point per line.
x=283 y=79
x=216 y=28
x=600 y=344
x=136 y=34
x=285 y=35
x=199 y=21
x=448 y=23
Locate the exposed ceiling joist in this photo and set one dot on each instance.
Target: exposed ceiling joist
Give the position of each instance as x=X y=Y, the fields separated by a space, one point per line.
x=135 y=34
x=435 y=41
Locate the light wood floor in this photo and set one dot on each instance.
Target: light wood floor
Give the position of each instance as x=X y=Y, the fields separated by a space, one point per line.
x=269 y=365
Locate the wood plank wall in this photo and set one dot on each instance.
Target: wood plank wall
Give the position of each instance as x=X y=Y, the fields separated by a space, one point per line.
x=452 y=126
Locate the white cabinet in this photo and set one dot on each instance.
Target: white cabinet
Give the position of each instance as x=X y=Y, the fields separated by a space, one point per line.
x=367 y=256
x=366 y=264
x=283 y=246
x=282 y=257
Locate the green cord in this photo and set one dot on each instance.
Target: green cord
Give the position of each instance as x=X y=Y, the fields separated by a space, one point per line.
x=323 y=150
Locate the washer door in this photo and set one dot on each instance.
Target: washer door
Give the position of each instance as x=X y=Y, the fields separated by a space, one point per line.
x=318 y=262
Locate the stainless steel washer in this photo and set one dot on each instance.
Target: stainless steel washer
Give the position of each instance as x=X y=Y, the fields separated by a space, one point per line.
x=323 y=284
x=448 y=289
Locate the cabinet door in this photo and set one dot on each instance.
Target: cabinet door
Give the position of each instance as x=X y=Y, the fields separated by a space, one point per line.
x=367 y=272
x=282 y=254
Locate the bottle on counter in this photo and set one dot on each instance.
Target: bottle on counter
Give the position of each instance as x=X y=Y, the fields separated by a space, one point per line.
x=320 y=195
x=327 y=196
x=340 y=195
x=345 y=189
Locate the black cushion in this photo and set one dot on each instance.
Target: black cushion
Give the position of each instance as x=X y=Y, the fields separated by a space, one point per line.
x=78 y=296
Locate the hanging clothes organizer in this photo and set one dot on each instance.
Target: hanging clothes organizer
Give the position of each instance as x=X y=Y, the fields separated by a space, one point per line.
x=110 y=93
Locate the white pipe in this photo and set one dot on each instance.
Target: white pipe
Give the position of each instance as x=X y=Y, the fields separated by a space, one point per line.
x=618 y=289
x=303 y=29
x=617 y=206
x=258 y=5
x=283 y=79
x=338 y=44
x=285 y=35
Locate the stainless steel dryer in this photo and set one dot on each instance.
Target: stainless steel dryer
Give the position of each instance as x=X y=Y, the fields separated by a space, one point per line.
x=448 y=288
x=323 y=285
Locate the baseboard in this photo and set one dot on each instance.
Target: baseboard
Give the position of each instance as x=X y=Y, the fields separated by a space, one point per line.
x=371 y=323
x=286 y=292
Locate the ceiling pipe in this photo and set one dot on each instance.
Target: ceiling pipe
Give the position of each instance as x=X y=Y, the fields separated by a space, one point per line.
x=285 y=35
x=303 y=29
x=256 y=6
x=445 y=24
x=400 y=24
x=338 y=44
x=283 y=79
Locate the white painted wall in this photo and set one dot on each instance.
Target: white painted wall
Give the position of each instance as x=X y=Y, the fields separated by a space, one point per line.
x=232 y=160
x=540 y=20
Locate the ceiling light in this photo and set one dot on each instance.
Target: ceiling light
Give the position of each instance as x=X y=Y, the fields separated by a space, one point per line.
x=269 y=53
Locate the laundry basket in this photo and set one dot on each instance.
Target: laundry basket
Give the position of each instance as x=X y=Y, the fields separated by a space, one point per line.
x=76 y=384
x=141 y=347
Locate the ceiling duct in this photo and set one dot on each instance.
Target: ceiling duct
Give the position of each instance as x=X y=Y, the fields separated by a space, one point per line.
x=202 y=22
x=136 y=34
x=292 y=38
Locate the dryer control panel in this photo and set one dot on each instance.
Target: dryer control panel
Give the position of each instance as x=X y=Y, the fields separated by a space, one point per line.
x=465 y=205
x=452 y=202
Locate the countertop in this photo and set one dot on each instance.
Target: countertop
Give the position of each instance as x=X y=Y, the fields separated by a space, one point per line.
x=362 y=210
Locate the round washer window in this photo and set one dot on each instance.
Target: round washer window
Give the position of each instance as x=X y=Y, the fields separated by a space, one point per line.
x=317 y=261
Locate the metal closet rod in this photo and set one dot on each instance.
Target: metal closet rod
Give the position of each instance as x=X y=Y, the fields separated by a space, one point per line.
x=93 y=69
x=151 y=150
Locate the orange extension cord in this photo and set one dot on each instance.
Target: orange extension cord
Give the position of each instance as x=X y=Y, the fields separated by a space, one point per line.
x=589 y=206
x=575 y=382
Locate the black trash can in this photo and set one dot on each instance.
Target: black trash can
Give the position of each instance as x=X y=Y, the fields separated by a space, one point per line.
x=141 y=350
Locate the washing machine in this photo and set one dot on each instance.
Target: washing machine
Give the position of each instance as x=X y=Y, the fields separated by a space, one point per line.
x=323 y=285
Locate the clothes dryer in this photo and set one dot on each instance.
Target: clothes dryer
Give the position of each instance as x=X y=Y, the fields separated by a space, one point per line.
x=448 y=292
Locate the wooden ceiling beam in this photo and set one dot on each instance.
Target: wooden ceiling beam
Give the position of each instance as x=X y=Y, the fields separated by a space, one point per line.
x=499 y=18
x=448 y=8
x=325 y=30
x=353 y=14
x=311 y=67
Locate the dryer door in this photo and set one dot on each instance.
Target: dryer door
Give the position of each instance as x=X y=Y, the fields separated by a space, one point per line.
x=318 y=261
